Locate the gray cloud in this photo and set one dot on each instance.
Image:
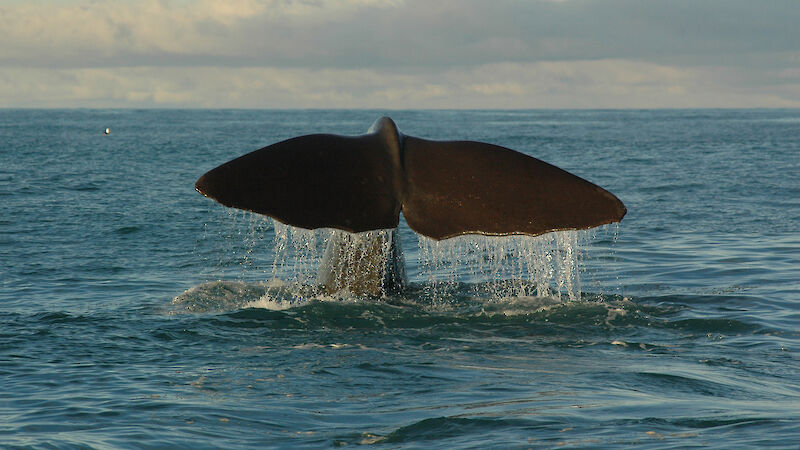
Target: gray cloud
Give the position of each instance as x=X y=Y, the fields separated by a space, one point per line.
x=560 y=84
x=412 y=33
x=447 y=53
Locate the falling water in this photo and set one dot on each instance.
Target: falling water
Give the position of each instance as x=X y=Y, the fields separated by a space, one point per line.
x=503 y=266
x=492 y=266
x=298 y=253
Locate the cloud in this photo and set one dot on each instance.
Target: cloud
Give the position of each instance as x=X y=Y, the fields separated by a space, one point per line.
x=400 y=53
x=147 y=32
x=372 y=33
x=558 y=84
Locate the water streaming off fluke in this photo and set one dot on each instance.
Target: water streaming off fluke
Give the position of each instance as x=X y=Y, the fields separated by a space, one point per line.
x=489 y=266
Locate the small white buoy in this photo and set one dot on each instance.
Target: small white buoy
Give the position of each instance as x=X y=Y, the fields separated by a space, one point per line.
x=108 y=130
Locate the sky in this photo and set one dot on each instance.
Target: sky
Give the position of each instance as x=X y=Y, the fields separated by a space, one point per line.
x=400 y=54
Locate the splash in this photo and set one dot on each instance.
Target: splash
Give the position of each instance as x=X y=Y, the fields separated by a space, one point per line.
x=503 y=266
x=215 y=296
x=491 y=267
x=298 y=252
x=361 y=262
x=494 y=266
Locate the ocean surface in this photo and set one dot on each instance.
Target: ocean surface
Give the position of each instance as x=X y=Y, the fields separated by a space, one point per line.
x=134 y=312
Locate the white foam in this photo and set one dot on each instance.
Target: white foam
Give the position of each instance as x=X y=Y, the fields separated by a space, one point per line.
x=267 y=302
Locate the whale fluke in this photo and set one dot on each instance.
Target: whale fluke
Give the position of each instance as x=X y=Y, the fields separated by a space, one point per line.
x=444 y=189
x=312 y=182
x=362 y=183
x=463 y=187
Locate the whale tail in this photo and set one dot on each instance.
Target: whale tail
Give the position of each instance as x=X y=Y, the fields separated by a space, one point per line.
x=443 y=189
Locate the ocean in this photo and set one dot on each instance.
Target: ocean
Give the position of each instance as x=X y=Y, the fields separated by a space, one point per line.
x=136 y=313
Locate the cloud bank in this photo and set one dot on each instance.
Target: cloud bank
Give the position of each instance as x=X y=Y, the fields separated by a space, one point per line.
x=400 y=54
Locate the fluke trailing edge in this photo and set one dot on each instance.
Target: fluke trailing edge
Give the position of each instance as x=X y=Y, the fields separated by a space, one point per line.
x=363 y=183
x=443 y=188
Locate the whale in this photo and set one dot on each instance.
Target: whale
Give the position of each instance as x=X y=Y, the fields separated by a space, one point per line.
x=358 y=186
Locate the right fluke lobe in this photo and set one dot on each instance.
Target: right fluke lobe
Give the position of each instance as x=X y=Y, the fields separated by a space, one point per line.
x=464 y=187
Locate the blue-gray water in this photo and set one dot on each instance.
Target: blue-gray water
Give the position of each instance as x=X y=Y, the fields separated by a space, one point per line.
x=136 y=313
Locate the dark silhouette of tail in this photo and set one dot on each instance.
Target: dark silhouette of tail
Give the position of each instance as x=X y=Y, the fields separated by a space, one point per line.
x=444 y=189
